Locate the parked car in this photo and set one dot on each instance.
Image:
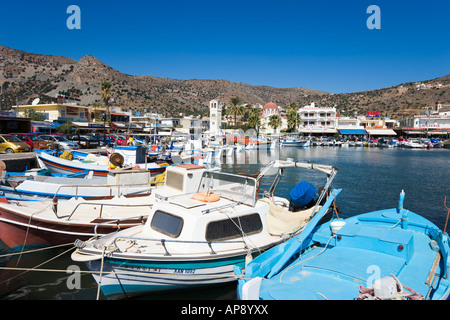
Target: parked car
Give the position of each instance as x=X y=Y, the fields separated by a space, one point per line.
x=118 y=140
x=32 y=139
x=87 y=142
x=111 y=140
x=63 y=142
x=12 y=144
x=97 y=137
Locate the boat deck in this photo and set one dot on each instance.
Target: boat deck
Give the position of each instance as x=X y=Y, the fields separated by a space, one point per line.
x=83 y=211
x=363 y=253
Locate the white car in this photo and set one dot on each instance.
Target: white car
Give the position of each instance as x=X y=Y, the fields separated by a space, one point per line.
x=63 y=142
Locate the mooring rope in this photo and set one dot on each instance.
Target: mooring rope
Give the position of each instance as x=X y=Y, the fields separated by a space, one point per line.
x=30 y=269
x=28 y=229
x=35 y=250
x=101 y=273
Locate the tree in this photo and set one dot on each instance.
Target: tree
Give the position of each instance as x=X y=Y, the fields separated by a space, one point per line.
x=106 y=96
x=235 y=108
x=293 y=117
x=66 y=127
x=274 y=122
x=254 y=119
x=34 y=115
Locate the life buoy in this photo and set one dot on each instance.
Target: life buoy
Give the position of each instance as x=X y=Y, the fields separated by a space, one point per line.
x=206 y=197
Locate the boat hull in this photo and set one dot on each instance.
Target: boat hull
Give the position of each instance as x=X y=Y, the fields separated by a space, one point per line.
x=341 y=264
x=58 y=165
x=301 y=144
x=123 y=279
x=18 y=230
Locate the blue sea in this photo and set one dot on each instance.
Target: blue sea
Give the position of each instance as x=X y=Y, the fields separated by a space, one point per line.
x=371 y=179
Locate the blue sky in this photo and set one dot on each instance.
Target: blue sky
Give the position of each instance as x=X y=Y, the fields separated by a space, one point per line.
x=323 y=45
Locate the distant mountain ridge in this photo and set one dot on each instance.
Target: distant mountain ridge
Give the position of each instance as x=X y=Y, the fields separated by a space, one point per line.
x=26 y=76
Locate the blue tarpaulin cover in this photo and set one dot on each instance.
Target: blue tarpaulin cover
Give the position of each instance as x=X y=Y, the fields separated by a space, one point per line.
x=302 y=193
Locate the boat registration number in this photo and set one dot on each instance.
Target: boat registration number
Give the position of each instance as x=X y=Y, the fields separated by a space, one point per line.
x=184 y=271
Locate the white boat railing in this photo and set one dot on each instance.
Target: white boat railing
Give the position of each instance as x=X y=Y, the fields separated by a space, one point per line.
x=118 y=186
x=115 y=221
x=163 y=242
x=101 y=204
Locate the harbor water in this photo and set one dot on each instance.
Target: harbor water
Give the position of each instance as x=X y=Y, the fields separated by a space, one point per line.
x=371 y=179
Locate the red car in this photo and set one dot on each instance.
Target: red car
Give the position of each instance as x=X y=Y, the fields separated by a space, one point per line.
x=33 y=140
x=112 y=137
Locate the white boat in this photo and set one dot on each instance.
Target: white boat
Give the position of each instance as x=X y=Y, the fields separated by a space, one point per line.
x=413 y=143
x=54 y=222
x=359 y=143
x=255 y=144
x=42 y=187
x=296 y=143
x=290 y=143
x=195 y=239
x=99 y=165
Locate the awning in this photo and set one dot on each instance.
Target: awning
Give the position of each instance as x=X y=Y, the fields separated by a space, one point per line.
x=381 y=132
x=352 y=131
x=123 y=125
x=91 y=125
x=42 y=124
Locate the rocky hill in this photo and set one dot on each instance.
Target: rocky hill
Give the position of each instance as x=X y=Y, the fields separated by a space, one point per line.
x=25 y=76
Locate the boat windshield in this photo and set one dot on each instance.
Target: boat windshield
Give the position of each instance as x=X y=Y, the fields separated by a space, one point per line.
x=230 y=186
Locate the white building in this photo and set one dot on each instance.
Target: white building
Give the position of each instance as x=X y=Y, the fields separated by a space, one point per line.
x=269 y=110
x=432 y=121
x=215 y=116
x=318 y=119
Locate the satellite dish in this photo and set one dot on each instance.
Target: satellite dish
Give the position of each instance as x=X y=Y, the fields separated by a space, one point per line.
x=35 y=101
x=116 y=159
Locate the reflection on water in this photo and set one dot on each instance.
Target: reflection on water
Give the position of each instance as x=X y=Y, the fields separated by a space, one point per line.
x=371 y=179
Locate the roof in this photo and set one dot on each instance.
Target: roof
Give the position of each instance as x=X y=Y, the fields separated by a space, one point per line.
x=270 y=105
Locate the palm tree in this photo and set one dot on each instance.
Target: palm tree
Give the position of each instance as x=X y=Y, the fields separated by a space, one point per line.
x=293 y=117
x=235 y=108
x=106 y=95
x=274 y=122
x=254 y=119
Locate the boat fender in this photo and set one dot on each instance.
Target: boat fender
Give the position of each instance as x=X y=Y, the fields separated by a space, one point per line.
x=206 y=196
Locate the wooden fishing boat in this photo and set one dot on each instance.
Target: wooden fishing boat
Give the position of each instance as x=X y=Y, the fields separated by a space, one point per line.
x=385 y=254
x=99 y=165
